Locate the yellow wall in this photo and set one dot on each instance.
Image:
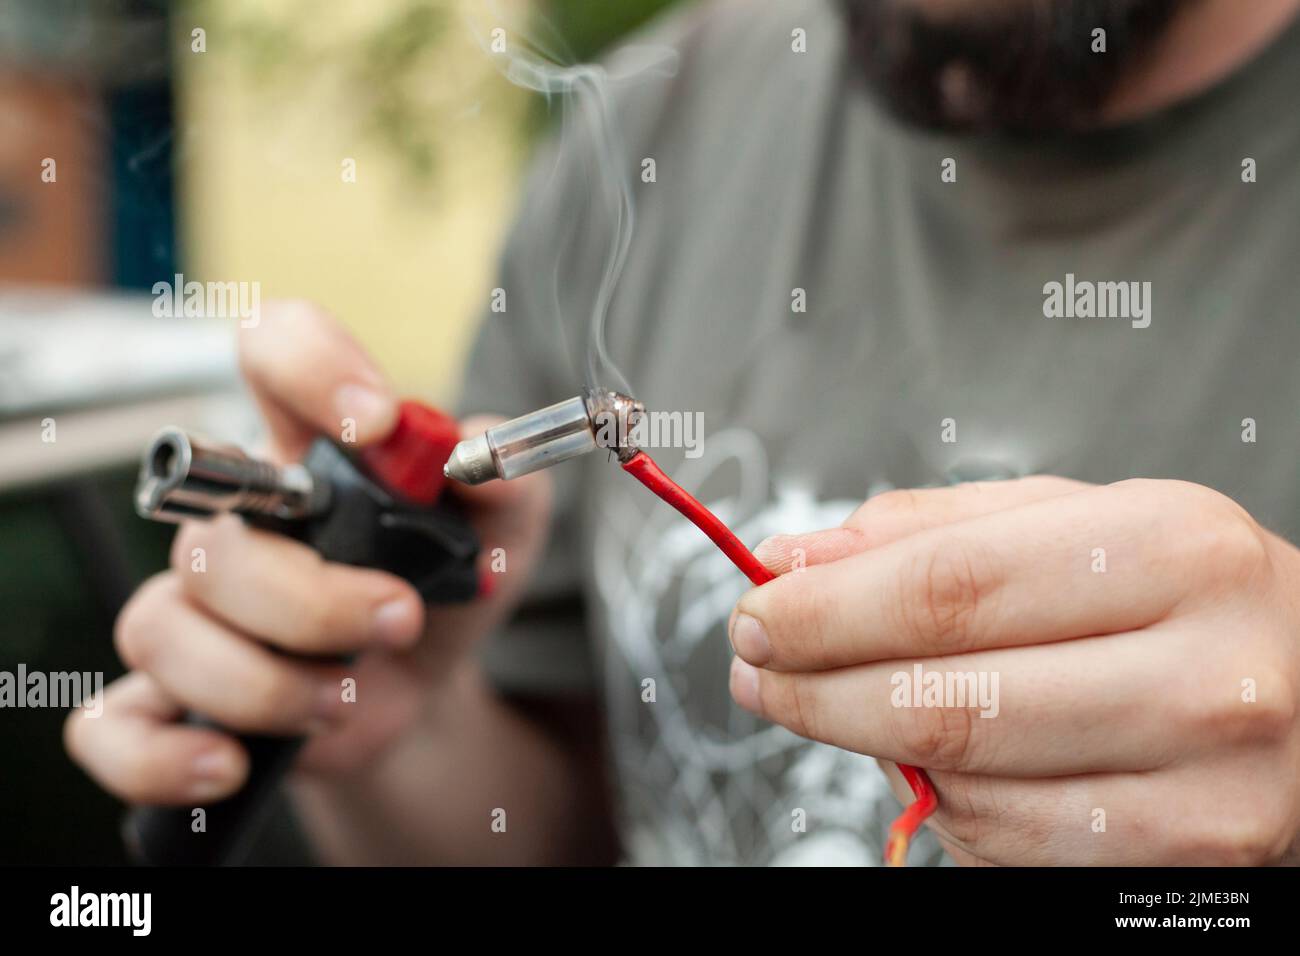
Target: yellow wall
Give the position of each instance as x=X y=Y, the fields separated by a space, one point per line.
x=407 y=268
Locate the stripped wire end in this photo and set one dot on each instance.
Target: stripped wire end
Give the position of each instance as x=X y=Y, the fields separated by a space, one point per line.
x=904 y=828
x=896 y=848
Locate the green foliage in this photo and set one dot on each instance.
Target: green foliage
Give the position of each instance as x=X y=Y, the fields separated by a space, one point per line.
x=589 y=27
x=386 y=65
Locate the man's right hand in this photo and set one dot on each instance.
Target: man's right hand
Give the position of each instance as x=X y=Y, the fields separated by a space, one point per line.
x=209 y=640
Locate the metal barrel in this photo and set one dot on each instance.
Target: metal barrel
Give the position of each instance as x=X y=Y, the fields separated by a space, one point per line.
x=184 y=476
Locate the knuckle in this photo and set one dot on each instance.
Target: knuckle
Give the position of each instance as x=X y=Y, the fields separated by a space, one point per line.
x=881 y=511
x=1270 y=716
x=1268 y=837
x=791 y=702
x=1239 y=544
x=1226 y=532
x=1257 y=834
x=896 y=502
x=976 y=811
x=806 y=709
x=1208 y=524
x=1270 y=841
x=961 y=809
x=1052 y=484
x=939 y=600
x=1213 y=715
x=1276 y=714
x=1147 y=487
x=1192 y=497
x=935 y=737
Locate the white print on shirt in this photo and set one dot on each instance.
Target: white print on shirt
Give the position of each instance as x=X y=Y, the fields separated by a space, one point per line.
x=701 y=780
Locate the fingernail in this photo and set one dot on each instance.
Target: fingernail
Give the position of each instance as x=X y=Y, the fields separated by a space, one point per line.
x=214 y=771
x=202 y=790
x=219 y=764
x=397 y=622
x=370 y=408
x=744 y=686
x=749 y=640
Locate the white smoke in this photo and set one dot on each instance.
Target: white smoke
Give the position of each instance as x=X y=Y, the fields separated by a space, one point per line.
x=581 y=91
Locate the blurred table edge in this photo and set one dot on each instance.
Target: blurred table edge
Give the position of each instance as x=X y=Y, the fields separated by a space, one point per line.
x=91 y=439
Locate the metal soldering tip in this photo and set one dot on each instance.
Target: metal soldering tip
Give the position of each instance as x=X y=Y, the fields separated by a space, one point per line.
x=471 y=462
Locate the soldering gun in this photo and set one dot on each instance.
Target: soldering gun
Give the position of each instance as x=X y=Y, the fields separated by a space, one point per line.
x=382 y=508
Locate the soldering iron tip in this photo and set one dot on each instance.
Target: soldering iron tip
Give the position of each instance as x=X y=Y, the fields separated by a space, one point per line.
x=471 y=462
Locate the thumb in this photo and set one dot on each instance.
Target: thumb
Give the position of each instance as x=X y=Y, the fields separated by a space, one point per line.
x=310 y=377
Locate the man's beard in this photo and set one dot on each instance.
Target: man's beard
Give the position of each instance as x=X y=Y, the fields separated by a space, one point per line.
x=1006 y=65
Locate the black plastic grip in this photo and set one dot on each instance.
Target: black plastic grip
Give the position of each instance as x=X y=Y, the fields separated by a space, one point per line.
x=167 y=836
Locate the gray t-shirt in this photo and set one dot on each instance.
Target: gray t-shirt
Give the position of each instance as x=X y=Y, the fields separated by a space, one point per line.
x=925 y=319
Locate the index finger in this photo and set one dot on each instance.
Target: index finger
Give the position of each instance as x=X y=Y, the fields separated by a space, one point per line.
x=1097 y=561
x=890 y=515
x=310 y=377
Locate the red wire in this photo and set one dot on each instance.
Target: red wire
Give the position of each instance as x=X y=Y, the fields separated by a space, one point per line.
x=909 y=821
x=641 y=467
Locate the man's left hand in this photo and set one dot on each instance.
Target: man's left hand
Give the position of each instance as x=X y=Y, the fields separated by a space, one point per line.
x=1145 y=642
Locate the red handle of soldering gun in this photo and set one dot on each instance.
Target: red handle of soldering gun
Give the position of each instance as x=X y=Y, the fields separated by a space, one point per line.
x=410 y=460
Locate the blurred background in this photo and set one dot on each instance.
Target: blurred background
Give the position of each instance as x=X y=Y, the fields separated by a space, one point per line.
x=360 y=153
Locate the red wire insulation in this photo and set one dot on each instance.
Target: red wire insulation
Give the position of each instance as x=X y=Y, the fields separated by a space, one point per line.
x=641 y=467
x=909 y=821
